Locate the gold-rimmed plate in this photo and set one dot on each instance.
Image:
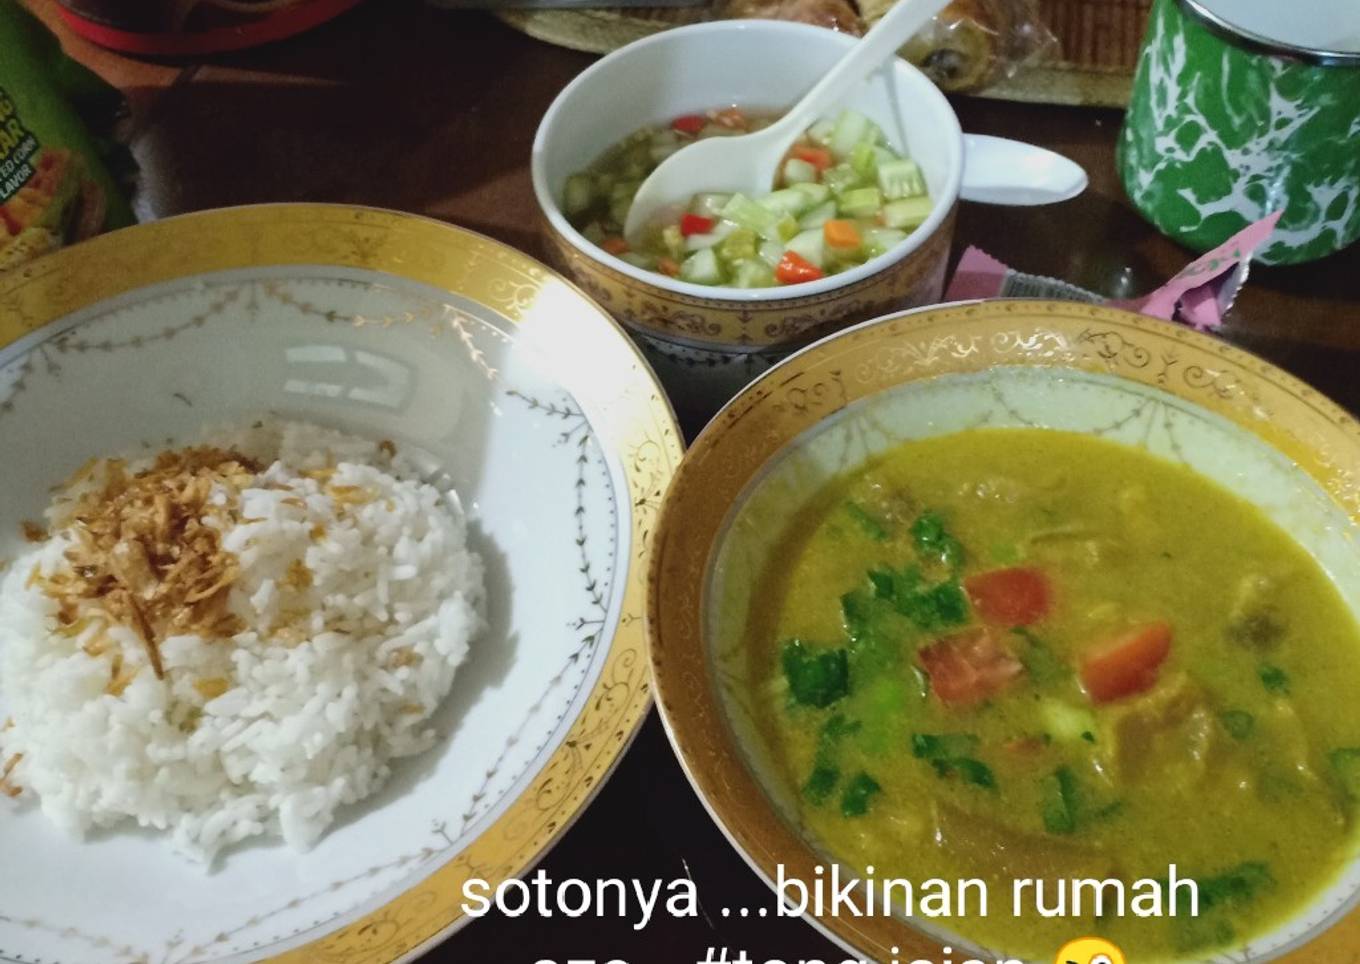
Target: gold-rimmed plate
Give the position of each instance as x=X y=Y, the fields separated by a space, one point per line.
x=538 y=410
x=837 y=405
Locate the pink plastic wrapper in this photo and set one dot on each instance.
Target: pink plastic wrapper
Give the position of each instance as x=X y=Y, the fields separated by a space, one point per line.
x=1199 y=296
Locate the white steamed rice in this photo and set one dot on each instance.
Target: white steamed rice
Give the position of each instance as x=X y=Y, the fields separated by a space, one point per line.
x=306 y=726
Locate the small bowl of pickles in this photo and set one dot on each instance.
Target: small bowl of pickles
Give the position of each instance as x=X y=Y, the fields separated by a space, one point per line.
x=857 y=221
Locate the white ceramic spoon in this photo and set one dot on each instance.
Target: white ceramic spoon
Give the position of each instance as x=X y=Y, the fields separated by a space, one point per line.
x=747 y=163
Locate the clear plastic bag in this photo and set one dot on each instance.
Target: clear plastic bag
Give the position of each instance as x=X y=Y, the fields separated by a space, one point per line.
x=969 y=45
x=972 y=44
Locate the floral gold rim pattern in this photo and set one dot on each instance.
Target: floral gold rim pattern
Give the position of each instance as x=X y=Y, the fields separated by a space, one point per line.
x=629 y=415
x=1284 y=413
x=740 y=326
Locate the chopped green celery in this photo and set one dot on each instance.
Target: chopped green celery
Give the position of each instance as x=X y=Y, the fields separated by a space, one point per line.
x=818 y=216
x=673 y=241
x=1274 y=679
x=702 y=268
x=784 y=201
x=820 y=132
x=810 y=245
x=862 y=202
x=906 y=213
x=1239 y=723
x=798 y=171
x=787 y=227
x=1346 y=765
x=1237 y=886
x=738 y=246
x=816 y=678
x=821 y=782
x=594 y=233
x=1059 y=804
x=866 y=520
x=851 y=128
x=943 y=746
x=752 y=273
x=709 y=205
x=861 y=789
x=771 y=252
x=882 y=707
x=745 y=213
x=578 y=195
x=879 y=240
x=815 y=193
x=900 y=179
x=645 y=261
x=1043 y=666
x=697 y=242
x=841 y=178
x=1064 y=722
x=935 y=542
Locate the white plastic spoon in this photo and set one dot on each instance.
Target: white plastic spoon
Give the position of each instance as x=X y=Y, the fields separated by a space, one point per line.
x=748 y=163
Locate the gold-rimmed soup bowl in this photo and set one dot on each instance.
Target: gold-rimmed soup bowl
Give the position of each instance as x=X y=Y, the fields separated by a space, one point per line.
x=838 y=405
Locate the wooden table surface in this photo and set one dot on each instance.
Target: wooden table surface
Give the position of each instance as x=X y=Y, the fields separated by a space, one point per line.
x=406 y=107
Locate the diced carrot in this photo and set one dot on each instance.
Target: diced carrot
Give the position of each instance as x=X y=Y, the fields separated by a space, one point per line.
x=668 y=266
x=969 y=667
x=1019 y=596
x=689 y=124
x=695 y=224
x=614 y=245
x=1126 y=665
x=794 y=269
x=818 y=157
x=841 y=234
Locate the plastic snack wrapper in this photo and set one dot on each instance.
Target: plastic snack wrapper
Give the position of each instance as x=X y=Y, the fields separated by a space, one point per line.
x=1199 y=296
x=972 y=44
x=58 y=152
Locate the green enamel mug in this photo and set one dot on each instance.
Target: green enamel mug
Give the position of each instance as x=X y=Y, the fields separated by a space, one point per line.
x=1241 y=108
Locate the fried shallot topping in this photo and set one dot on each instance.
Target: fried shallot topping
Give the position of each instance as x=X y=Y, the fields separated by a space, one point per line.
x=144 y=554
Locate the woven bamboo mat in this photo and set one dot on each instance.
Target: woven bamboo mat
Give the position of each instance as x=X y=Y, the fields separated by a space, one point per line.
x=1098 y=44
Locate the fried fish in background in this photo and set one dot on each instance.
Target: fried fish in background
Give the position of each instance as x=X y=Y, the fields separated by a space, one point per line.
x=964 y=48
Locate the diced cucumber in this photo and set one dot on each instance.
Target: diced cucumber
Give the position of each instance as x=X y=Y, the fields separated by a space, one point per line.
x=787 y=201
x=578 y=195
x=788 y=227
x=810 y=245
x=738 y=246
x=752 y=273
x=709 y=205
x=645 y=261
x=673 y=241
x=906 y=213
x=900 y=179
x=659 y=152
x=841 y=178
x=799 y=172
x=1064 y=722
x=594 y=233
x=851 y=128
x=818 y=216
x=702 y=268
x=745 y=213
x=862 y=202
x=697 y=242
x=815 y=193
x=820 y=132
x=879 y=240
x=771 y=252
x=864 y=161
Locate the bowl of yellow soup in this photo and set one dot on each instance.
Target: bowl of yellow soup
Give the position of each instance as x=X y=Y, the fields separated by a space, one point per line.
x=1039 y=609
